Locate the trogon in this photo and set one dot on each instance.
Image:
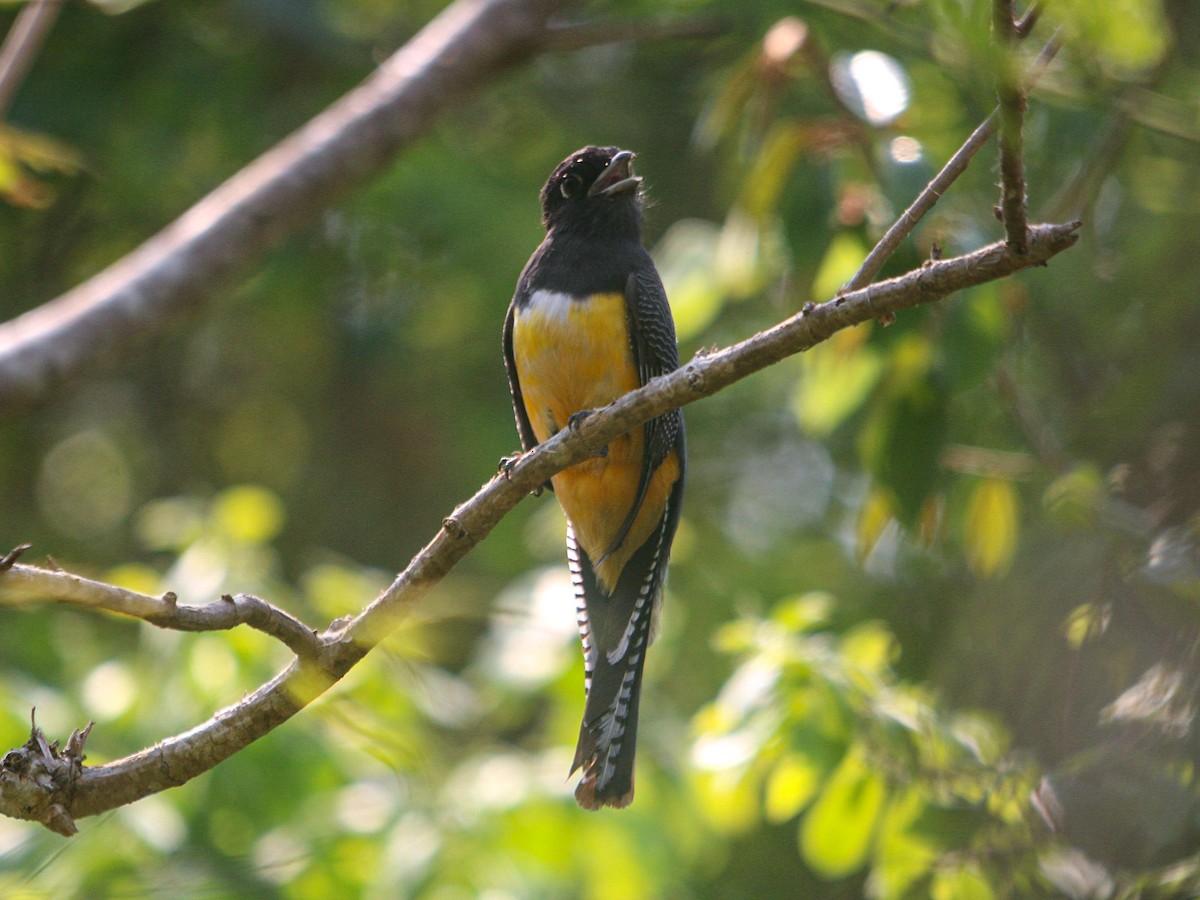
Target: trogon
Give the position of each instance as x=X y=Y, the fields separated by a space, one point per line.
x=589 y=322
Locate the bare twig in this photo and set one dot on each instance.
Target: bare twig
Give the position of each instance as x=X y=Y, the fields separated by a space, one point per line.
x=23 y=582
x=1012 y=121
x=955 y=166
x=1024 y=25
x=12 y=556
x=21 y=46
x=178 y=759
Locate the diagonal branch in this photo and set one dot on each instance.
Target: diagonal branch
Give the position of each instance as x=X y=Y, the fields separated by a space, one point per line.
x=88 y=791
x=458 y=54
x=21 y=46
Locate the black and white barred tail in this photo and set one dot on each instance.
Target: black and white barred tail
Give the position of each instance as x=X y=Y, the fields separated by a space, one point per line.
x=615 y=631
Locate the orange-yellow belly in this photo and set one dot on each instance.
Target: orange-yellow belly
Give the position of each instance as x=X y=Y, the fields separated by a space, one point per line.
x=573 y=355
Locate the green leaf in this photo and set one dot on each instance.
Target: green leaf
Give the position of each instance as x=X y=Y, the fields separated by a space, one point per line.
x=903 y=855
x=773 y=168
x=805 y=612
x=876 y=514
x=1073 y=499
x=903 y=439
x=1084 y=623
x=965 y=883
x=990 y=527
x=790 y=787
x=843 y=257
x=837 y=378
x=249 y=514
x=837 y=833
x=685 y=259
x=870 y=645
x=1123 y=35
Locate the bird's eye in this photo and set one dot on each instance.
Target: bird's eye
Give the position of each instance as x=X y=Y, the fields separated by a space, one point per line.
x=570 y=185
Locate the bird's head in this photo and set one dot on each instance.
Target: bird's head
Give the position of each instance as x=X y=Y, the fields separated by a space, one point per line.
x=594 y=189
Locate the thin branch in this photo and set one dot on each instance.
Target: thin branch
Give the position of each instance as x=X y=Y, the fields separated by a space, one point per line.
x=1024 y=25
x=1012 y=120
x=459 y=53
x=22 y=44
x=24 y=582
x=955 y=166
x=10 y=558
x=89 y=791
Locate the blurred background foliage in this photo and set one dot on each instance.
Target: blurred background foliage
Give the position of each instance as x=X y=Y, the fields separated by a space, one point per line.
x=931 y=627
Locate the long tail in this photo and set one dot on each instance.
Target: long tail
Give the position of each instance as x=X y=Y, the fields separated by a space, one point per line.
x=615 y=630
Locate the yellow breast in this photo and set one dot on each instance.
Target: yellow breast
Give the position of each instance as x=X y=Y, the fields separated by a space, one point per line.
x=573 y=355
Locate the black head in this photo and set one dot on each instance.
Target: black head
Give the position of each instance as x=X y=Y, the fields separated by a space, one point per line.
x=594 y=189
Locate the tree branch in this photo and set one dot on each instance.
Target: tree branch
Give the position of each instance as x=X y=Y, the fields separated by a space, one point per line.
x=456 y=54
x=21 y=46
x=1012 y=120
x=22 y=582
x=89 y=791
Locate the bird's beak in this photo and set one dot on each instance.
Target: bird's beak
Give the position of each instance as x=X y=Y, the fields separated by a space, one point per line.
x=618 y=178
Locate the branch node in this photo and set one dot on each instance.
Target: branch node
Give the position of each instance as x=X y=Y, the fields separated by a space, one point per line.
x=37 y=780
x=695 y=379
x=454 y=528
x=171 y=599
x=12 y=556
x=807 y=308
x=228 y=598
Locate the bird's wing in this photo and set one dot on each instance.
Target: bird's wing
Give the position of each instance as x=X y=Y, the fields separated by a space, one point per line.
x=524 y=428
x=655 y=352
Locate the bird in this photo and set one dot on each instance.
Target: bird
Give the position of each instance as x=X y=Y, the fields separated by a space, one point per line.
x=590 y=321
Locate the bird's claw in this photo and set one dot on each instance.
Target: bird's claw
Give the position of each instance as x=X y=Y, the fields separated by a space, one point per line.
x=506 y=466
x=576 y=420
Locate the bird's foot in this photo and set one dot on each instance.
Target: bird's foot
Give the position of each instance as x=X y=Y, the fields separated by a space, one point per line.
x=506 y=466
x=576 y=420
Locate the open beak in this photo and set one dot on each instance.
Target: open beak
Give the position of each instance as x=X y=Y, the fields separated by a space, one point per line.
x=618 y=178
